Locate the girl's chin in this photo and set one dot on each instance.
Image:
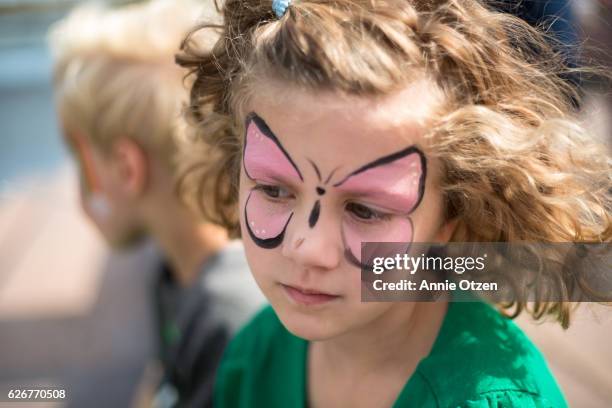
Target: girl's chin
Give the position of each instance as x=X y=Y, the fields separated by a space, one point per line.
x=311 y=327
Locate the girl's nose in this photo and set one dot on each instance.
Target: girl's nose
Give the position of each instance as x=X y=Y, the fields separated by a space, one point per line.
x=317 y=246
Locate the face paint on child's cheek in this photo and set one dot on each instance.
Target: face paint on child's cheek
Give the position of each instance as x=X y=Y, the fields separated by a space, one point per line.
x=265 y=221
x=396 y=182
x=266 y=161
x=399 y=229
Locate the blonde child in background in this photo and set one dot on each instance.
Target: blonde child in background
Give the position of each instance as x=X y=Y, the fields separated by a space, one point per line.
x=120 y=98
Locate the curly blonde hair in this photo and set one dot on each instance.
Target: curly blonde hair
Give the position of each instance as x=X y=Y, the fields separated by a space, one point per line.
x=516 y=165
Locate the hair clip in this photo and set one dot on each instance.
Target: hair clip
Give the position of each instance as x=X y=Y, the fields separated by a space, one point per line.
x=280 y=7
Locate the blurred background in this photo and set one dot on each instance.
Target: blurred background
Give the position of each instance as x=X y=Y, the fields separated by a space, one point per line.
x=75 y=316
x=72 y=315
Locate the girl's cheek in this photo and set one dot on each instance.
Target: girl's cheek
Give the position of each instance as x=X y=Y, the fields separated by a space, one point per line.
x=265 y=219
x=397 y=229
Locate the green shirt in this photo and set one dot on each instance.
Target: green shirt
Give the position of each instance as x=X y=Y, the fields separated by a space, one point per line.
x=479 y=359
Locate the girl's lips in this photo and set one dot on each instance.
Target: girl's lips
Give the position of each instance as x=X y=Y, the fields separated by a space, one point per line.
x=308 y=297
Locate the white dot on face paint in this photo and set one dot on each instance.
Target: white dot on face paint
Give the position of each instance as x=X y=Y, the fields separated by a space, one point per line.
x=252 y=223
x=263 y=231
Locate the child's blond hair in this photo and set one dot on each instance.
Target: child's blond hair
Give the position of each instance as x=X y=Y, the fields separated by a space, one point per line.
x=115 y=76
x=516 y=165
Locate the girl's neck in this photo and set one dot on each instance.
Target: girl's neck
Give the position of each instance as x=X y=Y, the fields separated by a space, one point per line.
x=398 y=339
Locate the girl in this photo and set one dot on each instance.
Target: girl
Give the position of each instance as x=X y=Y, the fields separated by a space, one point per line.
x=342 y=122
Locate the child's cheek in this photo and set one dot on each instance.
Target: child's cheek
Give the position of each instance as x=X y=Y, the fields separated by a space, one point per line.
x=254 y=253
x=398 y=229
x=265 y=219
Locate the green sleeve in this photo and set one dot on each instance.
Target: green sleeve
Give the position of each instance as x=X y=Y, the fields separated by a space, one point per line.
x=509 y=399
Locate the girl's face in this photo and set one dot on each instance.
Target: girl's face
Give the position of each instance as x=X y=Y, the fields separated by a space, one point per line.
x=322 y=173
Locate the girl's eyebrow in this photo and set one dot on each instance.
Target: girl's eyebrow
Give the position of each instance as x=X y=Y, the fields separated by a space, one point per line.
x=264 y=129
x=273 y=177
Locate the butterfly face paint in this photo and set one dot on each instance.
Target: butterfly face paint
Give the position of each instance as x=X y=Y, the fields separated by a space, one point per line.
x=386 y=192
x=265 y=160
x=395 y=182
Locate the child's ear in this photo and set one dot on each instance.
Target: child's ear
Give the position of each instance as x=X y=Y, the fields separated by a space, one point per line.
x=132 y=166
x=447 y=230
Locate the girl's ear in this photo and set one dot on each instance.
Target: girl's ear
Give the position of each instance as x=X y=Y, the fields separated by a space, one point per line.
x=446 y=231
x=132 y=166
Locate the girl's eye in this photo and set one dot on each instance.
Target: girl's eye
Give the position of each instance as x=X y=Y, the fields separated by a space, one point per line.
x=364 y=213
x=274 y=191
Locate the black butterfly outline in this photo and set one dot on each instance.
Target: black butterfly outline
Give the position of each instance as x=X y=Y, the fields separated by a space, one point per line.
x=270 y=243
